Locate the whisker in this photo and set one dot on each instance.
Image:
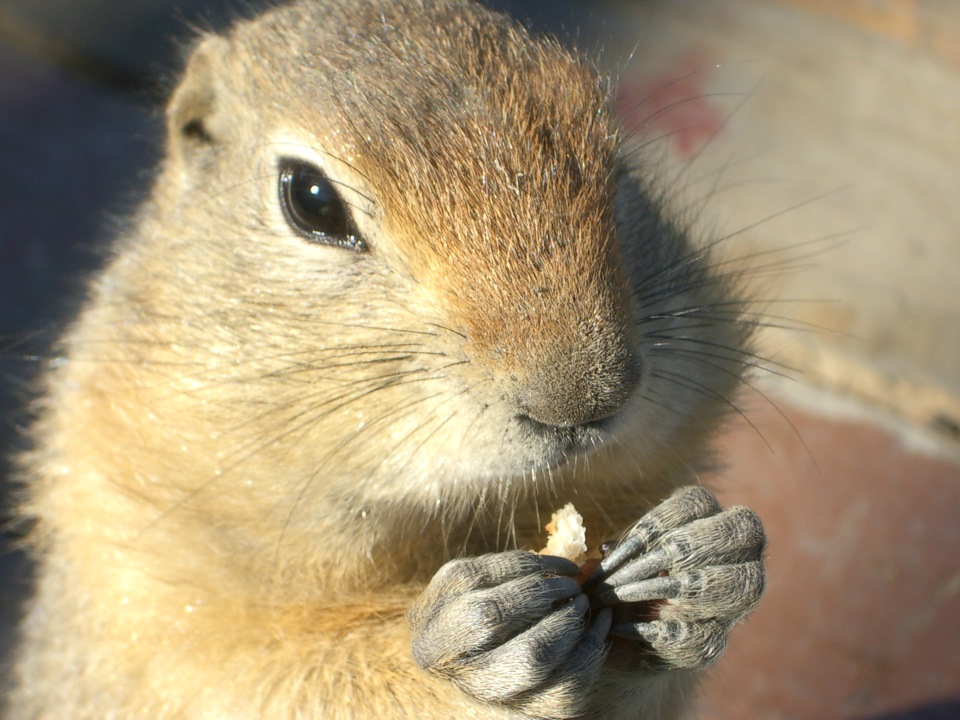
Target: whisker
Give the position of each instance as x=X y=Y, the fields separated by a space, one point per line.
x=667 y=349
x=669 y=108
x=691 y=384
x=744 y=98
x=340 y=446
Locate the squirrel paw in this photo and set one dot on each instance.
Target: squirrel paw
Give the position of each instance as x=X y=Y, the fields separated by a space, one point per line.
x=512 y=628
x=684 y=575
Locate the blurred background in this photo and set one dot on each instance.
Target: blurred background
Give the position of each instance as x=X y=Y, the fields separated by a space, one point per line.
x=820 y=139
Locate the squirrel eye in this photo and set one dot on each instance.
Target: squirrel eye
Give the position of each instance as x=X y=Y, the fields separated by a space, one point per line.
x=313 y=207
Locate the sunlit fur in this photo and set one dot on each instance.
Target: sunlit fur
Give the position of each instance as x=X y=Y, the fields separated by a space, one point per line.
x=257 y=449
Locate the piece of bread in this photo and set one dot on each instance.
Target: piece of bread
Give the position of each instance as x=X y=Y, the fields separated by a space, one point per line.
x=567 y=535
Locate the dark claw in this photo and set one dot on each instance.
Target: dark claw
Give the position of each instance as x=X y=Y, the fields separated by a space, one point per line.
x=562 y=588
x=643 y=567
x=658 y=588
x=682 y=507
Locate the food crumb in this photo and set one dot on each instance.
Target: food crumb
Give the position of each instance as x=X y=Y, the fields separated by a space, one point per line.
x=567 y=535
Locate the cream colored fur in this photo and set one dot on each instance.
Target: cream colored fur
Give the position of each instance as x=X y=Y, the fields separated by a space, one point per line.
x=258 y=450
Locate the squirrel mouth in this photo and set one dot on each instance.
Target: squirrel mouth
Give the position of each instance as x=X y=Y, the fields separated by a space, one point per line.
x=562 y=443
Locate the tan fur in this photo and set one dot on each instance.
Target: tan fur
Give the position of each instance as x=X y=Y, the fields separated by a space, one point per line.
x=259 y=450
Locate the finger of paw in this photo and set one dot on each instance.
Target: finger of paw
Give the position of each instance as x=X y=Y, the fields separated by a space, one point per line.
x=732 y=536
x=656 y=588
x=678 y=644
x=479 y=620
x=527 y=660
x=493 y=569
x=567 y=689
x=724 y=592
x=464 y=575
x=682 y=507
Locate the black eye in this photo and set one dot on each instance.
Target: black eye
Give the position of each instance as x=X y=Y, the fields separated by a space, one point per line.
x=313 y=207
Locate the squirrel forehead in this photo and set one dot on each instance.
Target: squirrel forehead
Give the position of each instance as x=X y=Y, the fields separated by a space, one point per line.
x=495 y=174
x=488 y=155
x=469 y=133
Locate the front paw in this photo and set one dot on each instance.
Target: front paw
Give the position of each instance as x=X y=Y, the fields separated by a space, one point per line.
x=512 y=628
x=682 y=577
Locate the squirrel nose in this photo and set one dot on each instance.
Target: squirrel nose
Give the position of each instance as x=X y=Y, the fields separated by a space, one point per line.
x=579 y=390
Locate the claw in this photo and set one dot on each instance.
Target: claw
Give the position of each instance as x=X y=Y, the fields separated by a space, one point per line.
x=562 y=588
x=645 y=566
x=550 y=643
x=682 y=507
x=658 y=588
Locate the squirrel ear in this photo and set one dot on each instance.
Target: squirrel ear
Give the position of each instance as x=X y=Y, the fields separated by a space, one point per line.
x=194 y=114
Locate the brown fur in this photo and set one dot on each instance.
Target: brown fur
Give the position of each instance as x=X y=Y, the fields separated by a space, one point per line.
x=259 y=450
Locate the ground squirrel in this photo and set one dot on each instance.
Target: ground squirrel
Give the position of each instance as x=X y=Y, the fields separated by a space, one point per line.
x=395 y=296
